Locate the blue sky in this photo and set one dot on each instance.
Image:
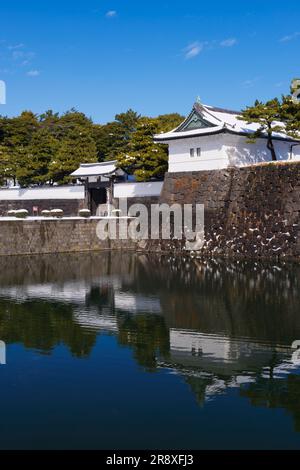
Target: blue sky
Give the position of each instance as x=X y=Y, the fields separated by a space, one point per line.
x=103 y=57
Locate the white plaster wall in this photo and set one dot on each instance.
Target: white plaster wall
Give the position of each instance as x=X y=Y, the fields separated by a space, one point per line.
x=137 y=189
x=56 y=192
x=241 y=153
x=213 y=155
x=296 y=153
x=220 y=151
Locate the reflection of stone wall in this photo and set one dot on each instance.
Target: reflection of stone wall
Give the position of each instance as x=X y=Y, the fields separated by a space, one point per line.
x=258 y=302
x=70 y=267
x=252 y=211
x=69 y=206
x=238 y=298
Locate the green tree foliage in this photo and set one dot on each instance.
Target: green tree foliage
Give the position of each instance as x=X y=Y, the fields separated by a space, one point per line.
x=47 y=148
x=113 y=137
x=78 y=146
x=36 y=159
x=128 y=122
x=108 y=140
x=50 y=122
x=290 y=115
x=267 y=116
x=17 y=132
x=15 y=135
x=142 y=157
x=8 y=164
x=35 y=150
x=168 y=122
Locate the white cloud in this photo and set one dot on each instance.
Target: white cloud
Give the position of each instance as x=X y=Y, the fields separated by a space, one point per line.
x=192 y=50
x=228 y=42
x=290 y=37
x=251 y=82
x=16 y=46
x=111 y=14
x=33 y=73
x=18 y=54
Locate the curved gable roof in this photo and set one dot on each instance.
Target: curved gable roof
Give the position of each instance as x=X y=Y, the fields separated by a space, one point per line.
x=211 y=120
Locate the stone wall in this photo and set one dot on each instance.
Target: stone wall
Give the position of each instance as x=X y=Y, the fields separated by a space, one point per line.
x=249 y=212
x=131 y=201
x=25 y=237
x=69 y=206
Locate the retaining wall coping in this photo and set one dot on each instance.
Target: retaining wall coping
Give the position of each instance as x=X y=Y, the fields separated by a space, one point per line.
x=60 y=219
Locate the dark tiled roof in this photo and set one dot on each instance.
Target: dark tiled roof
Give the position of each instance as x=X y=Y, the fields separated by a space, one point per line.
x=222 y=110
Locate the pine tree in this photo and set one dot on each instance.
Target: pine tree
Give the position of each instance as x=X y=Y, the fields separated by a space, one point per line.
x=113 y=137
x=290 y=115
x=143 y=158
x=36 y=159
x=15 y=136
x=8 y=165
x=267 y=116
x=17 y=132
x=47 y=148
x=128 y=122
x=168 y=122
x=78 y=146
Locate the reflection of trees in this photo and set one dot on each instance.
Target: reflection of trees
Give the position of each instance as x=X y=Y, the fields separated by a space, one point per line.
x=147 y=335
x=244 y=299
x=257 y=300
x=198 y=386
x=43 y=325
x=240 y=299
x=100 y=297
x=276 y=393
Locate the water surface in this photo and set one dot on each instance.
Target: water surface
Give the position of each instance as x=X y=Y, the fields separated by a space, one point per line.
x=108 y=351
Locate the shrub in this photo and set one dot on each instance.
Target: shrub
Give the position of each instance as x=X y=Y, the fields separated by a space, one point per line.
x=21 y=214
x=11 y=213
x=84 y=213
x=46 y=213
x=57 y=213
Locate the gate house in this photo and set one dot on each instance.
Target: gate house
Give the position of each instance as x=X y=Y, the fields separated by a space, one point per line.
x=99 y=179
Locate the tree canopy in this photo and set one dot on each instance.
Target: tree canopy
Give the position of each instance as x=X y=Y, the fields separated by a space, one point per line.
x=267 y=116
x=141 y=156
x=273 y=116
x=290 y=114
x=46 y=148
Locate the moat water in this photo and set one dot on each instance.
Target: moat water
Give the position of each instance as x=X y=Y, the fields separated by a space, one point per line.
x=118 y=351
